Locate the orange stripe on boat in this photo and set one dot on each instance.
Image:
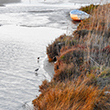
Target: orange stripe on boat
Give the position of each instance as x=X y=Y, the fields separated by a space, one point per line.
x=74 y=17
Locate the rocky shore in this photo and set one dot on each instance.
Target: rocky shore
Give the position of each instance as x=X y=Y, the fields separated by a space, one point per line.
x=82 y=69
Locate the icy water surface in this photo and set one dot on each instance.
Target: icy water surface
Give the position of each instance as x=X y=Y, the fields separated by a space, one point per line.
x=25 y=31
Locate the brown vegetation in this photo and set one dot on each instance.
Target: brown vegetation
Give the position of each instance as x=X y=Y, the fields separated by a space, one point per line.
x=69 y=63
x=53 y=49
x=82 y=70
x=100 y=19
x=89 y=9
x=72 y=95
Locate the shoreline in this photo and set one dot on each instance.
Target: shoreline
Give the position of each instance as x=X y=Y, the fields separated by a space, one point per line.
x=48 y=67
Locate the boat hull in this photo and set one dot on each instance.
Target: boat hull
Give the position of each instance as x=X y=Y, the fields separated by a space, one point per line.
x=75 y=17
x=78 y=15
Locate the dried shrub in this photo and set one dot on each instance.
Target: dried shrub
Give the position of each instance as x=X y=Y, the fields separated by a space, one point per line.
x=65 y=72
x=107 y=49
x=97 y=25
x=70 y=64
x=100 y=20
x=101 y=55
x=73 y=95
x=54 y=48
x=89 y=9
x=105 y=73
x=96 y=35
x=44 y=86
x=75 y=55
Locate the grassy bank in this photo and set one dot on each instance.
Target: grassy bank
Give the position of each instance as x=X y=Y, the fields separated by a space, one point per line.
x=82 y=68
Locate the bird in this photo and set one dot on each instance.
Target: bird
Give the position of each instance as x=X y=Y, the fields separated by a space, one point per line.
x=37 y=69
x=38 y=59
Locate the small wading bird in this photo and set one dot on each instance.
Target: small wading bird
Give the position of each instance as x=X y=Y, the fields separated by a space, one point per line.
x=38 y=59
x=36 y=71
x=38 y=67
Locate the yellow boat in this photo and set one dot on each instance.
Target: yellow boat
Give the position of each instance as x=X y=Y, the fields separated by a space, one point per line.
x=78 y=15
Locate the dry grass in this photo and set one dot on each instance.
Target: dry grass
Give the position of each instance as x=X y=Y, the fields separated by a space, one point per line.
x=96 y=35
x=54 y=48
x=105 y=72
x=100 y=19
x=70 y=63
x=89 y=9
x=73 y=95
